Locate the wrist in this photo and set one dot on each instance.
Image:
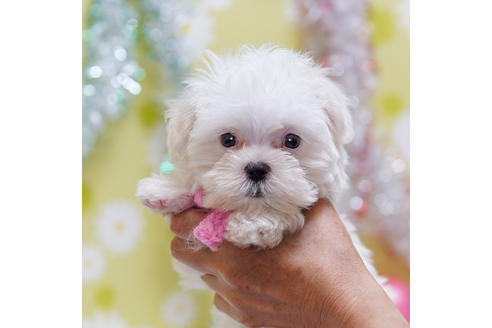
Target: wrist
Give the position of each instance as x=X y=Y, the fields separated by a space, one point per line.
x=332 y=301
x=358 y=301
x=369 y=306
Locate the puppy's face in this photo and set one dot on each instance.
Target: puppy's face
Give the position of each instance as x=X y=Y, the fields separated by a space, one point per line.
x=264 y=128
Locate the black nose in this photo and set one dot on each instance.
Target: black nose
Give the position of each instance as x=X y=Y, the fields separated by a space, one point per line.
x=257 y=171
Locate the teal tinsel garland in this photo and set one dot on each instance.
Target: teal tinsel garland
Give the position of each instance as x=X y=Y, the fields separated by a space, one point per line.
x=111 y=74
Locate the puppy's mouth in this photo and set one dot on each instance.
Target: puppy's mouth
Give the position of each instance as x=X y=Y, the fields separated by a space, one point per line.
x=255 y=191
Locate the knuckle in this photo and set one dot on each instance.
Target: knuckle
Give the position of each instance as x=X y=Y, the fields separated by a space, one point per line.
x=208 y=279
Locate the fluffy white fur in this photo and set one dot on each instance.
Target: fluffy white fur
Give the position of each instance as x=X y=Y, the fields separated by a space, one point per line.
x=259 y=95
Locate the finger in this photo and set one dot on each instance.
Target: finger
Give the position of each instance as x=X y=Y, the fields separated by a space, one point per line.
x=249 y=319
x=182 y=224
x=232 y=296
x=242 y=299
x=222 y=305
x=203 y=260
x=217 y=285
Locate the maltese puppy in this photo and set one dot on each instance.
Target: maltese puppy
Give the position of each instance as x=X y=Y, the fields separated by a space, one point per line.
x=256 y=136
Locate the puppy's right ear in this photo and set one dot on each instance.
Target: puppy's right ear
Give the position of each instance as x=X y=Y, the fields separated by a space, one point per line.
x=338 y=113
x=180 y=117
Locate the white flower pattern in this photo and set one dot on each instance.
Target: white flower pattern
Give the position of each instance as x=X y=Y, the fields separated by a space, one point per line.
x=195 y=28
x=119 y=226
x=178 y=309
x=100 y=319
x=93 y=263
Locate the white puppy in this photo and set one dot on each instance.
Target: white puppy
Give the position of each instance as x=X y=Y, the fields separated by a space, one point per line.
x=261 y=132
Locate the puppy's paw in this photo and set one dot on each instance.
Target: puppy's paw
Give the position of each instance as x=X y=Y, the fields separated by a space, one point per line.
x=260 y=231
x=163 y=195
x=155 y=205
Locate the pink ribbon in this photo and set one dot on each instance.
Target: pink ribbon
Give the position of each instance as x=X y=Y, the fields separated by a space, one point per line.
x=212 y=229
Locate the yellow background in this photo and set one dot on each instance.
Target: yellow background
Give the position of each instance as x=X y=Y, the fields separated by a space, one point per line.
x=135 y=284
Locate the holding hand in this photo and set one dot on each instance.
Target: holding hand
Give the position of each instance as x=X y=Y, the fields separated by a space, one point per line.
x=314 y=278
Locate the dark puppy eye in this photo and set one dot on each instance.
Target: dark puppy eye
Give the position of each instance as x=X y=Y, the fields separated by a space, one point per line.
x=228 y=140
x=292 y=141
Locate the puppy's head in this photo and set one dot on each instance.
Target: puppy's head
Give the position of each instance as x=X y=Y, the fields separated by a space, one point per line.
x=262 y=127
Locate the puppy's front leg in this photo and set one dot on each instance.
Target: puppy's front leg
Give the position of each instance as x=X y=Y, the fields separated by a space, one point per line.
x=164 y=194
x=264 y=230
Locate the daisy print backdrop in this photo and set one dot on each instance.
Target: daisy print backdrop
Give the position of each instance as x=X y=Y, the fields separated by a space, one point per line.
x=135 y=54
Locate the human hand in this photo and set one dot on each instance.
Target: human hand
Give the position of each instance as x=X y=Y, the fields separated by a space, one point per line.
x=314 y=278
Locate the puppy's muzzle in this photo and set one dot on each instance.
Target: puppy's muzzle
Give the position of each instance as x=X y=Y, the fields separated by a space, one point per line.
x=257 y=171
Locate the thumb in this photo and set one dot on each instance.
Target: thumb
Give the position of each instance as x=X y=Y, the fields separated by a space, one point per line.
x=183 y=223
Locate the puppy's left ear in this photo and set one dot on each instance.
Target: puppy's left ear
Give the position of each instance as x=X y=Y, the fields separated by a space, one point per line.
x=339 y=118
x=339 y=122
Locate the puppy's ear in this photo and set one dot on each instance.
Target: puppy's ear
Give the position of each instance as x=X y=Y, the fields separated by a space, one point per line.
x=339 y=122
x=180 y=117
x=339 y=119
